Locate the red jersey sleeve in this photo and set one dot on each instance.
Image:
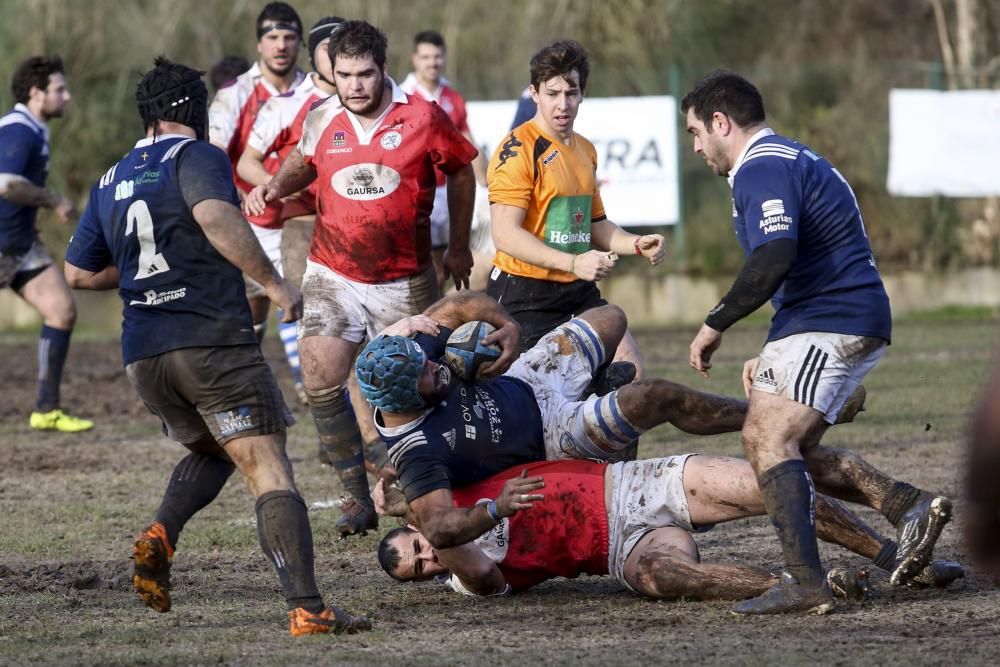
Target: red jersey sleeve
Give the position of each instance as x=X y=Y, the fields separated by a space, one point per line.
x=449 y=150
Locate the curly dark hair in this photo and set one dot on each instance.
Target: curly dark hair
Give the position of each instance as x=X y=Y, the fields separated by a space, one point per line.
x=560 y=59
x=728 y=93
x=173 y=92
x=34 y=73
x=359 y=39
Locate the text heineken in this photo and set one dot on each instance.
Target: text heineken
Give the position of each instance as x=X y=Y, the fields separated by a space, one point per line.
x=567 y=224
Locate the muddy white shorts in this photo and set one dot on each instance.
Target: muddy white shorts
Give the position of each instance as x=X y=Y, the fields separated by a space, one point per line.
x=334 y=305
x=270 y=241
x=558 y=369
x=817 y=369
x=645 y=495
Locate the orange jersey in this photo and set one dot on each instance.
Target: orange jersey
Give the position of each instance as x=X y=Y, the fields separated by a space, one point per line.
x=556 y=185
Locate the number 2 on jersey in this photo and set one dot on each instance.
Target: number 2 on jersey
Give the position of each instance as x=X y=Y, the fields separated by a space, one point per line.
x=139 y=220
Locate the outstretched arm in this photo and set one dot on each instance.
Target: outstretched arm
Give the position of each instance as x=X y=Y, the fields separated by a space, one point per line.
x=294 y=175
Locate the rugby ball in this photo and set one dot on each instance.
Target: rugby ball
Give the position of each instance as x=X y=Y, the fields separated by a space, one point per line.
x=465 y=352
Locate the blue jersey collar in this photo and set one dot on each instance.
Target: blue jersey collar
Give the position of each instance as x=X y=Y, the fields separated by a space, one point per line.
x=766 y=132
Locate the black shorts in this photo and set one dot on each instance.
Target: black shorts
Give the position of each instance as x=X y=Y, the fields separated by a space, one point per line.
x=226 y=392
x=539 y=306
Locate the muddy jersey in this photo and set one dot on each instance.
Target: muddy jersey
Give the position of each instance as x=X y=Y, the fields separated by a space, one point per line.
x=177 y=291
x=376 y=186
x=233 y=111
x=446 y=97
x=784 y=190
x=276 y=132
x=556 y=185
x=24 y=151
x=565 y=535
x=477 y=430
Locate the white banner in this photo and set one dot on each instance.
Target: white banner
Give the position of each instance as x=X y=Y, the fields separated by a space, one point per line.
x=636 y=141
x=944 y=143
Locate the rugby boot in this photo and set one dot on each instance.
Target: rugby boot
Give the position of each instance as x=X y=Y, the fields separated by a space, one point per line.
x=152 y=554
x=789 y=596
x=849 y=584
x=331 y=619
x=854 y=404
x=57 y=420
x=939 y=574
x=355 y=518
x=919 y=529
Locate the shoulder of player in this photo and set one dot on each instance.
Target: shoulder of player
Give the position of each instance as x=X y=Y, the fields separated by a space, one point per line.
x=16 y=125
x=323 y=111
x=518 y=144
x=767 y=160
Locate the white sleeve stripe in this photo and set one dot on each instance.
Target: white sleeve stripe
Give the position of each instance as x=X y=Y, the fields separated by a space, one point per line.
x=406 y=444
x=769 y=154
x=777 y=148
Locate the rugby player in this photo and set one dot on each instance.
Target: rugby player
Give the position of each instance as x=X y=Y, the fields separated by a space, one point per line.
x=41 y=94
x=444 y=434
x=807 y=251
x=982 y=525
x=631 y=520
x=429 y=59
x=163 y=225
x=276 y=131
x=235 y=107
x=374 y=151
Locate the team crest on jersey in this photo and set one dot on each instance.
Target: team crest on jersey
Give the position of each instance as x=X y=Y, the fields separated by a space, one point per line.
x=365 y=181
x=391 y=140
x=339 y=139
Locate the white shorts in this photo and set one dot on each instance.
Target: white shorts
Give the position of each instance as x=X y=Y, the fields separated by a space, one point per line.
x=439 y=218
x=270 y=241
x=12 y=266
x=645 y=495
x=558 y=369
x=817 y=369
x=335 y=305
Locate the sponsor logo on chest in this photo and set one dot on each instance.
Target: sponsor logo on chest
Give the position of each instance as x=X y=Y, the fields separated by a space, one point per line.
x=366 y=181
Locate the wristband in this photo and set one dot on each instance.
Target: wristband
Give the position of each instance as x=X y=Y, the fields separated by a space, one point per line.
x=491 y=509
x=638 y=250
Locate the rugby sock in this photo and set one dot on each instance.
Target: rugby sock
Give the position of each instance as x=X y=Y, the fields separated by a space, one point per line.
x=340 y=436
x=376 y=453
x=609 y=429
x=790 y=499
x=53 y=346
x=886 y=558
x=288 y=332
x=901 y=497
x=286 y=537
x=195 y=482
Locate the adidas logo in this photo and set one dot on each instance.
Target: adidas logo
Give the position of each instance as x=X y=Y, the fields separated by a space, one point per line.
x=766 y=377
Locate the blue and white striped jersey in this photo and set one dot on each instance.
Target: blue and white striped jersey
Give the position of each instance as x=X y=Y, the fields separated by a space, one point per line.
x=784 y=190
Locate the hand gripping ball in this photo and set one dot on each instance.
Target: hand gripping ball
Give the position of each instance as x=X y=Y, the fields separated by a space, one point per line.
x=465 y=353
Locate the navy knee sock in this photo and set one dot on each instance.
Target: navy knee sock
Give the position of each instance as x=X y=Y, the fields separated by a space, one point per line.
x=53 y=346
x=195 y=482
x=286 y=537
x=790 y=498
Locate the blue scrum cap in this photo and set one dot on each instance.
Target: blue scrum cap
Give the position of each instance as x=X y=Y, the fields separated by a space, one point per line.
x=388 y=369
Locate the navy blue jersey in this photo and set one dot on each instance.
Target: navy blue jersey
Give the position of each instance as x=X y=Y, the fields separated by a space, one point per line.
x=781 y=189
x=24 y=151
x=478 y=430
x=176 y=289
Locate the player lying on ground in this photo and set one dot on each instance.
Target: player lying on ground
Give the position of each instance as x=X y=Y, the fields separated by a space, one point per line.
x=443 y=433
x=631 y=520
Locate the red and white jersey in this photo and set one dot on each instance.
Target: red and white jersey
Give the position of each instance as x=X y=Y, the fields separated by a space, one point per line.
x=376 y=186
x=565 y=535
x=233 y=111
x=275 y=133
x=449 y=99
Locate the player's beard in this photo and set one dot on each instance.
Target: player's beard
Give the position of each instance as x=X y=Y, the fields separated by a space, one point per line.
x=375 y=102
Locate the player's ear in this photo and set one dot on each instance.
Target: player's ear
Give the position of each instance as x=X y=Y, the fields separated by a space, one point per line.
x=721 y=123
